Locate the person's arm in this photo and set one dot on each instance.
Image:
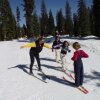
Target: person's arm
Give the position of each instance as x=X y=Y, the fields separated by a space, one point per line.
x=47 y=46
x=68 y=49
x=29 y=45
x=75 y=56
x=59 y=45
x=84 y=54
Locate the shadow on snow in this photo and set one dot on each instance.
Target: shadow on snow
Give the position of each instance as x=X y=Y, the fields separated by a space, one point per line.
x=53 y=78
x=95 y=76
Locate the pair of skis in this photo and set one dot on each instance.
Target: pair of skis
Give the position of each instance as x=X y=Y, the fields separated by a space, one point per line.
x=38 y=78
x=46 y=76
x=81 y=88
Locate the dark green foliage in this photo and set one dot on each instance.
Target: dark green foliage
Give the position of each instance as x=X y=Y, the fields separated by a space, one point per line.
x=68 y=19
x=84 y=23
x=60 y=22
x=8 y=23
x=88 y=20
x=29 y=9
x=44 y=19
x=23 y=30
x=84 y=19
x=0 y=21
x=18 y=22
x=76 y=25
x=3 y=19
x=92 y=21
x=36 y=25
x=11 y=30
x=18 y=14
x=51 y=23
x=96 y=12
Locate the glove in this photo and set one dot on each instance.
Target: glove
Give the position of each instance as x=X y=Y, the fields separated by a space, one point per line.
x=69 y=50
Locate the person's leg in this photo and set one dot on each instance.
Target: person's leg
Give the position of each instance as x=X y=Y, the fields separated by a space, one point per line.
x=38 y=61
x=81 y=76
x=31 y=62
x=77 y=76
x=63 y=62
x=57 y=54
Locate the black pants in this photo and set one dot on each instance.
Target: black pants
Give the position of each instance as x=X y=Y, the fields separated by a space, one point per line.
x=78 y=75
x=32 y=56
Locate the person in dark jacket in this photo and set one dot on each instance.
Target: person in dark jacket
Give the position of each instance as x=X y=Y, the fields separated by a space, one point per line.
x=64 y=50
x=36 y=48
x=78 y=64
x=34 y=52
x=56 y=46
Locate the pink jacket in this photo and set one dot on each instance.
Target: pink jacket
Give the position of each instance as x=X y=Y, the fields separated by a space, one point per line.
x=79 y=53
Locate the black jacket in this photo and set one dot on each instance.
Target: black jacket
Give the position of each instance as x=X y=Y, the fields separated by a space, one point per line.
x=55 y=43
x=37 y=49
x=64 y=50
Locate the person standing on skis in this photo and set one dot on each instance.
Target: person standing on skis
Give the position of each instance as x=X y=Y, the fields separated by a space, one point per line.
x=78 y=64
x=56 y=46
x=64 y=50
x=36 y=48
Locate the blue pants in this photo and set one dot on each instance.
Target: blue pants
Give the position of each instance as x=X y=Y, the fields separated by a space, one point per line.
x=78 y=70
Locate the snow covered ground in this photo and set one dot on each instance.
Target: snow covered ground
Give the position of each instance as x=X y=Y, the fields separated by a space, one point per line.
x=17 y=84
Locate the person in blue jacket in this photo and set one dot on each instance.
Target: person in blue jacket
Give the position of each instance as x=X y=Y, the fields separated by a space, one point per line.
x=56 y=47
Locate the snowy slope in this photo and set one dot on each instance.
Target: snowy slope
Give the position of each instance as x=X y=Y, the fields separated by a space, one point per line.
x=17 y=84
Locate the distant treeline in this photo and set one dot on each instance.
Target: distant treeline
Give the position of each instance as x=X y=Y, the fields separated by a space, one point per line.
x=83 y=23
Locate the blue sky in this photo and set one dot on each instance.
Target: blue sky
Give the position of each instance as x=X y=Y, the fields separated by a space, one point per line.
x=54 y=5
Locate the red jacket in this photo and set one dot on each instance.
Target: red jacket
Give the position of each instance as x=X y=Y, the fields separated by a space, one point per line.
x=79 y=53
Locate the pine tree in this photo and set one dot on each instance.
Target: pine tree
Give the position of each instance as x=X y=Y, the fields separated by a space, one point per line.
x=8 y=25
x=12 y=28
x=11 y=23
x=24 y=34
x=68 y=19
x=3 y=20
x=51 y=23
x=92 y=21
x=36 y=25
x=60 y=22
x=76 y=25
x=44 y=19
x=96 y=12
x=29 y=9
x=0 y=13
x=18 y=22
x=83 y=15
x=88 y=14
